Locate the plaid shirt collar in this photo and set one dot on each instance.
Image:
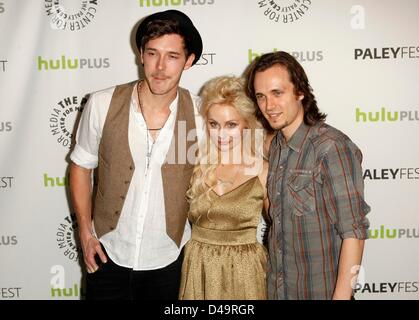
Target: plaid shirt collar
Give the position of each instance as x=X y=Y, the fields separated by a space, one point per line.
x=297 y=140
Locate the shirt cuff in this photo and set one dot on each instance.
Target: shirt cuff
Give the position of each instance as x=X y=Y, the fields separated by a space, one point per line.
x=357 y=230
x=360 y=234
x=83 y=158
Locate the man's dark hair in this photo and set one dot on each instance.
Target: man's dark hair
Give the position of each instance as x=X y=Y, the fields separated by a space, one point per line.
x=298 y=78
x=157 y=28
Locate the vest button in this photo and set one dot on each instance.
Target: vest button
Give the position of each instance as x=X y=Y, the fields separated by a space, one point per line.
x=127 y=182
x=131 y=168
x=111 y=228
x=117 y=212
x=122 y=197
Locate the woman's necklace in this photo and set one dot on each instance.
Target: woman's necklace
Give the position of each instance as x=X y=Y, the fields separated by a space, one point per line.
x=149 y=145
x=231 y=180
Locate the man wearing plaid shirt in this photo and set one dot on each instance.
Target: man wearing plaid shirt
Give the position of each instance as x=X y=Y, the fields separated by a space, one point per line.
x=315 y=188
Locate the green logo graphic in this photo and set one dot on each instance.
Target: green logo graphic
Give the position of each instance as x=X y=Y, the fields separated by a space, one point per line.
x=301 y=56
x=55 y=181
x=74 y=291
x=385 y=116
x=386 y=233
x=175 y=3
x=65 y=63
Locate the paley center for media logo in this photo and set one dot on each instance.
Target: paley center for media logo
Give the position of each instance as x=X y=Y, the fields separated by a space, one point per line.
x=284 y=11
x=385 y=115
x=173 y=3
x=65 y=237
x=61 y=18
x=62 y=119
x=301 y=56
x=64 y=63
x=386 y=53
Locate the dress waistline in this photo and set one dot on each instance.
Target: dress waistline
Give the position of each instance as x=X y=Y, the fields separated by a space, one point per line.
x=224 y=237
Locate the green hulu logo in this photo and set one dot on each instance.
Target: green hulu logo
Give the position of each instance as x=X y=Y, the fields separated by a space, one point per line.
x=72 y=64
x=66 y=292
x=165 y=3
x=251 y=55
x=159 y=3
x=55 y=64
x=385 y=233
x=376 y=116
x=55 y=181
x=386 y=116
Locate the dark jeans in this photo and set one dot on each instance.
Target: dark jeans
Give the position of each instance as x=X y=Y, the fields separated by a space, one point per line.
x=113 y=282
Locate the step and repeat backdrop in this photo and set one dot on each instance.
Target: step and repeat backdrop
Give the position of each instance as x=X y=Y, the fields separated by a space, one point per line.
x=362 y=58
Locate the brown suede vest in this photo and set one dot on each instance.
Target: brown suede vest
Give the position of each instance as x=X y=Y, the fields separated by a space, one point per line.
x=116 y=166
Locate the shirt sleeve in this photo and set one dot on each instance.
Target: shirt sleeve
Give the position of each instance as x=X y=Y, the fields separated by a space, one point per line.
x=343 y=190
x=85 y=153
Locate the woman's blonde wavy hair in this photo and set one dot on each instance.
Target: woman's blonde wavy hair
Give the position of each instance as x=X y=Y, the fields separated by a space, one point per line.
x=225 y=90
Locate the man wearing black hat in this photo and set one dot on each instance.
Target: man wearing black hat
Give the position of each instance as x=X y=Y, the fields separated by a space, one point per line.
x=133 y=133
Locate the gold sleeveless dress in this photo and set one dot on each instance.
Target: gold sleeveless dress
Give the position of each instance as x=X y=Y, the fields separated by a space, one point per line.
x=223 y=260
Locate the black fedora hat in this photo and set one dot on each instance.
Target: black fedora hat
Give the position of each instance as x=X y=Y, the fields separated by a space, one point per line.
x=193 y=41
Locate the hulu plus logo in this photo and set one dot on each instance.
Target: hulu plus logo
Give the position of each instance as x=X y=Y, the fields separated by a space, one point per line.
x=58 y=286
x=301 y=56
x=55 y=181
x=5 y=126
x=64 y=63
x=386 y=233
x=175 y=3
x=385 y=115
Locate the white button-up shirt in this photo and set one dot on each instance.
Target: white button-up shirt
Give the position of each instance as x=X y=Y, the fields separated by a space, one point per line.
x=140 y=240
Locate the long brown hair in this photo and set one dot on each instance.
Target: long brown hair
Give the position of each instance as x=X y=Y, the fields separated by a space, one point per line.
x=298 y=78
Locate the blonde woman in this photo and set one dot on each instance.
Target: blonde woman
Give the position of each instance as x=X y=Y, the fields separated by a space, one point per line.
x=223 y=260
